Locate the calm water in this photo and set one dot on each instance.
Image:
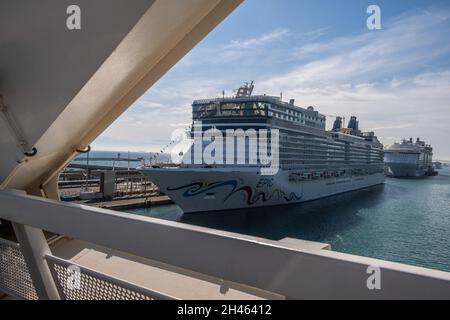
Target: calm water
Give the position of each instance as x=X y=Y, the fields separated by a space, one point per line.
x=403 y=220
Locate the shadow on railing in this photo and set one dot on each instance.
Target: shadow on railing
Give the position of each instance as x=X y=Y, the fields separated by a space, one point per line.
x=74 y=282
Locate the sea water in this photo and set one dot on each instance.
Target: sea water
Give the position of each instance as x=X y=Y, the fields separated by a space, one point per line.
x=404 y=220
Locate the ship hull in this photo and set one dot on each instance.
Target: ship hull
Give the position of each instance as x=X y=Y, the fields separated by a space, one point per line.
x=404 y=170
x=198 y=190
x=401 y=170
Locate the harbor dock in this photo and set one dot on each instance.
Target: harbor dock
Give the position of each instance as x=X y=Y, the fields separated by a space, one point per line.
x=108 y=187
x=131 y=203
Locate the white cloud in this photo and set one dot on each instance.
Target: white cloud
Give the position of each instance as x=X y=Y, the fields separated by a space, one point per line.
x=149 y=123
x=383 y=77
x=236 y=51
x=267 y=48
x=390 y=79
x=264 y=39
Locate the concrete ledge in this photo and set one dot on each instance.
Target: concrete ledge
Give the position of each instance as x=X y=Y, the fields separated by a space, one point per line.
x=299 y=244
x=176 y=282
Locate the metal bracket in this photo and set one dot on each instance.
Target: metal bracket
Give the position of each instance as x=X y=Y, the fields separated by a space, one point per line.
x=87 y=150
x=15 y=131
x=12 y=126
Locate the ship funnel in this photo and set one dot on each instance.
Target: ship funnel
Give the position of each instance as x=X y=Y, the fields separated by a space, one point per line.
x=337 y=125
x=353 y=124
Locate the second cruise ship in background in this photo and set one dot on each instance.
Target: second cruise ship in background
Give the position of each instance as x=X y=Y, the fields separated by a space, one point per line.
x=409 y=159
x=313 y=162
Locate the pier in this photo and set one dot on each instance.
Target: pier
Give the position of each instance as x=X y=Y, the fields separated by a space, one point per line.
x=108 y=187
x=131 y=203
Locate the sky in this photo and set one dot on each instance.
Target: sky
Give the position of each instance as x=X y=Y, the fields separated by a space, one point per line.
x=396 y=80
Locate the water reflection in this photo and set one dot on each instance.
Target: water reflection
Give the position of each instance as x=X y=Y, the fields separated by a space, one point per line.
x=317 y=220
x=402 y=220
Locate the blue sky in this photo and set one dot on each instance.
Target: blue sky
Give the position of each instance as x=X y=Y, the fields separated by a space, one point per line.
x=396 y=80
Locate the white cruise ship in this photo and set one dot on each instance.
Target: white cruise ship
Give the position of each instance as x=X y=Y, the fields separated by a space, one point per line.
x=409 y=159
x=313 y=162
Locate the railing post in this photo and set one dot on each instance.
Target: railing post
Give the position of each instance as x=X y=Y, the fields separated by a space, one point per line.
x=34 y=249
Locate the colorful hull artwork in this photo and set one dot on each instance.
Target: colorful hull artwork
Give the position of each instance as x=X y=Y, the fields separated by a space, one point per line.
x=197 y=190
x=252 y=196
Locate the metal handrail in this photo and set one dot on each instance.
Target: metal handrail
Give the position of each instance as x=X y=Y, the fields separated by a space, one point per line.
x=263 y=264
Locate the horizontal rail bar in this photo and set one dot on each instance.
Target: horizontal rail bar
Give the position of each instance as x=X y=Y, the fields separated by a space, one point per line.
x=267 y=265
x=9 y=243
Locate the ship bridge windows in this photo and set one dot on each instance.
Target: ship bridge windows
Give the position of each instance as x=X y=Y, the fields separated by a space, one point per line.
x=229 y=109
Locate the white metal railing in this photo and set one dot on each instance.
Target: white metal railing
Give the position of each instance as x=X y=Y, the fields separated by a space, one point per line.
x=87 y=284
x=83 y=284
x=263 y=264
x=15 y=279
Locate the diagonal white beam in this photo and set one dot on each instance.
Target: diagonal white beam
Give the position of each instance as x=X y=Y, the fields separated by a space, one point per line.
x=165 y=32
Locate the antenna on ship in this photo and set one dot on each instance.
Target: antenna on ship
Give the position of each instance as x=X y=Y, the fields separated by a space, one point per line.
x=246 y=90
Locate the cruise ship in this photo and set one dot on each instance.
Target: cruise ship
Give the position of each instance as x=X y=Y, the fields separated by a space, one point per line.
x=313 y=162
x=409 y=159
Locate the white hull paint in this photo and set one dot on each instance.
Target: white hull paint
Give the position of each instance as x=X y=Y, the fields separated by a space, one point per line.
x=196 y=190
x=401 y=170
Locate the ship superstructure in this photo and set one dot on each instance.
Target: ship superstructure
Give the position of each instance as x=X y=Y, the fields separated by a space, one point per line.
x=313 y=162
x=409 y=159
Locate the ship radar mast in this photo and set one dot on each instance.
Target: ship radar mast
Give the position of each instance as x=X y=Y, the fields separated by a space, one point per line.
x=245 y=91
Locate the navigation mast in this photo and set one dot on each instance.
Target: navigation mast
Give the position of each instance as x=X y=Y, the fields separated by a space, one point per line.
x=246 y=90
